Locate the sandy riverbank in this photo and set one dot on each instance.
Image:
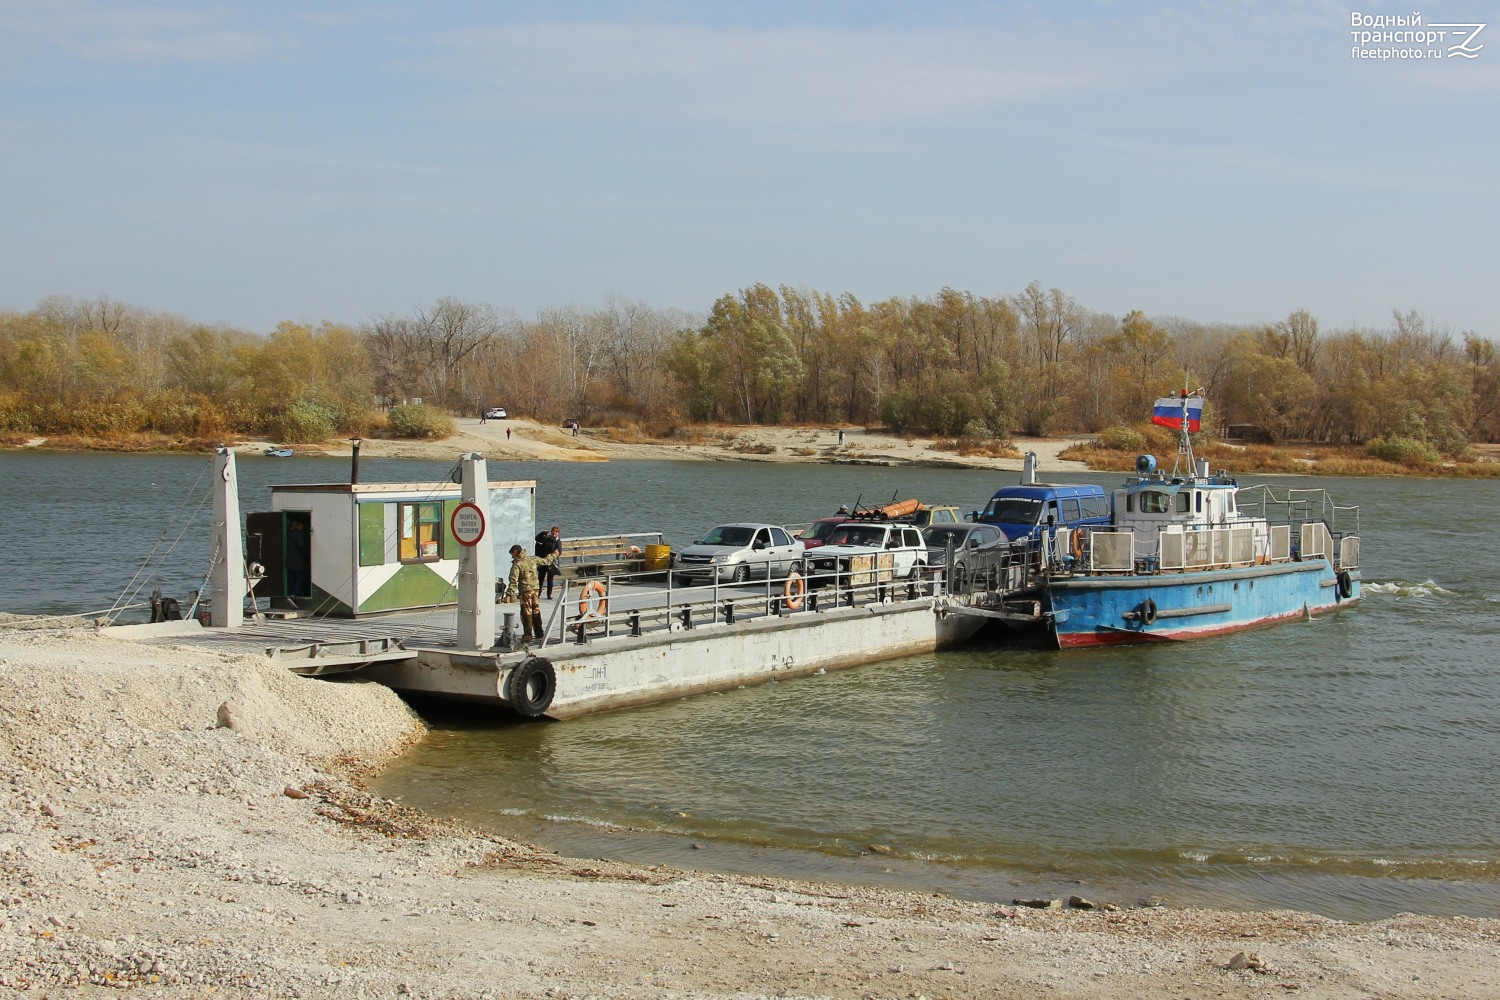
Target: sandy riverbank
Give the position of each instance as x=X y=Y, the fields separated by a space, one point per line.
x=528 y=440
x=144 y=843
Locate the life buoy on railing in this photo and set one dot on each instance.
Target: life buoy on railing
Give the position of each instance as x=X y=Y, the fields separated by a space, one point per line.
x=1346 y=584
x=1148 y=612
x=586 y=606
x=1078 y=544
x=793 y=590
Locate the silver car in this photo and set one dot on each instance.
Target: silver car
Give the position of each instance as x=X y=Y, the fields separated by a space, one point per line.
x=737 y=552
x=976 y=548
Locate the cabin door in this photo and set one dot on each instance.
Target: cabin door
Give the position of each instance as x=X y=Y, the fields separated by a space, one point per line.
x=280 y=540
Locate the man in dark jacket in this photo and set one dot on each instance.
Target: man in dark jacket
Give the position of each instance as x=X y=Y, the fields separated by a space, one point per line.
x=549 y=543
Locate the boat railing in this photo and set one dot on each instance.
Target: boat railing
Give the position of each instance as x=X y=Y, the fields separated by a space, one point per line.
x=1110 y=550
x=635 y=604
x=1106 y=550
x=1005 y=569
x=1298 y=506
x=1315 y=542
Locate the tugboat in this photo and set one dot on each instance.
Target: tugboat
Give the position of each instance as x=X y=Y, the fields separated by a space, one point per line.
x=1190 y=554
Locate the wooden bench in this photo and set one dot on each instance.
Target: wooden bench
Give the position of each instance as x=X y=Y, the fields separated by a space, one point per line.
x=603 y=554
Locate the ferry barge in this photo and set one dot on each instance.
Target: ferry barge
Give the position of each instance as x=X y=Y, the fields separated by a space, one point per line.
x=357 y=574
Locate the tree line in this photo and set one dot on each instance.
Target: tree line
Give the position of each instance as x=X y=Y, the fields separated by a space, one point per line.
x=952 y=364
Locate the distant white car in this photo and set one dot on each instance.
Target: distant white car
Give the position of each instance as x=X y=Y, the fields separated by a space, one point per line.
x=737 y=552
x=495 y=413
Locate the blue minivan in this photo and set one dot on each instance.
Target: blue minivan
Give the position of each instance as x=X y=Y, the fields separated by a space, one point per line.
x=1022 y=511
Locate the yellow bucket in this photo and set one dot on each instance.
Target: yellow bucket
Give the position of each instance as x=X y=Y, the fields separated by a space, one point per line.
x=658 y=556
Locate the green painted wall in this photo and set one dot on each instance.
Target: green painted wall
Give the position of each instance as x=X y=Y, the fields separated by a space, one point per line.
x=371 y=534
x=414 y=586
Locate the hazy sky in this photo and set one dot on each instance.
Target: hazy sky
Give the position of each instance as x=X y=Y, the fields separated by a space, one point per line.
x=247 y=163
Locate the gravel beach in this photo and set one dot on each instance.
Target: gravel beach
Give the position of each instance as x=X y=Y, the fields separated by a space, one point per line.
x=182 y=823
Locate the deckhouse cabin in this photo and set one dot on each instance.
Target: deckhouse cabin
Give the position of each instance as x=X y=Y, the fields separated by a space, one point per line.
x=1194 y=521
x=366 y=548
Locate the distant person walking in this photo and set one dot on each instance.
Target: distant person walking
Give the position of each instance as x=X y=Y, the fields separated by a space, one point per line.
x=525 y=588
x=482 y=414
x=841 y=439
x=507 y=433
x=549 y=543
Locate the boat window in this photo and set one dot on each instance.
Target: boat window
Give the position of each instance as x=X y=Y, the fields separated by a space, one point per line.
x=1095 y=507
x=1072 y=511
x=1200 y=502
x=1184 y=503
x=1130 y=503
x=421 y=528
x=1013 y=510
x=1155 y=502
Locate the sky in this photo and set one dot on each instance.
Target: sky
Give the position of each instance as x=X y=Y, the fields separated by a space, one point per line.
x=251 y=163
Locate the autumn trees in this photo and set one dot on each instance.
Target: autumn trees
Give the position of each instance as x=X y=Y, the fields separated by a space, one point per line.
x=951 y=364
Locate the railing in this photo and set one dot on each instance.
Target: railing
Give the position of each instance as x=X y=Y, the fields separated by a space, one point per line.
x=620 y=605
x=1297 y=507
x=1316 y=542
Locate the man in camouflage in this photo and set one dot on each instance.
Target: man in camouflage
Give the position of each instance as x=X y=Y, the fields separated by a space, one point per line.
x=525 y=588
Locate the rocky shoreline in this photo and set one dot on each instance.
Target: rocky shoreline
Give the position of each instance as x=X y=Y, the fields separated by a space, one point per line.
x=179 y=822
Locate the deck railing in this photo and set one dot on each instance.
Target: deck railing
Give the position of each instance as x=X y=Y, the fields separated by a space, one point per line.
x=634 y=604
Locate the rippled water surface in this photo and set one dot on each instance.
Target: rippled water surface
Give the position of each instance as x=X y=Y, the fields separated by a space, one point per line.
x=1345 y=765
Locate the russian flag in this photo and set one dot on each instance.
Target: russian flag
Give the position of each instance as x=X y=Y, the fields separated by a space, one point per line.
x=1168 y=412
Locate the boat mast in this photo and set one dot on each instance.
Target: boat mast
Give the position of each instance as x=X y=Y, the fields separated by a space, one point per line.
x=1184 y=443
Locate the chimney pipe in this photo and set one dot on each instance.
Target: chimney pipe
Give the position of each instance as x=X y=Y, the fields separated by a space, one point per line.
x=354 y=461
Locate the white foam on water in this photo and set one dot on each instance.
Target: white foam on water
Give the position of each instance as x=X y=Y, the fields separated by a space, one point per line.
x=1401 y=588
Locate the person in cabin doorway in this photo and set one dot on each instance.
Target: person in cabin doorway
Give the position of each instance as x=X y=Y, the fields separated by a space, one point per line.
x=549 y=543
x=525 y=588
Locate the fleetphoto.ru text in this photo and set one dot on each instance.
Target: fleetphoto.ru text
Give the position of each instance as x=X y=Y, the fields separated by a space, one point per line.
x=1404 y=36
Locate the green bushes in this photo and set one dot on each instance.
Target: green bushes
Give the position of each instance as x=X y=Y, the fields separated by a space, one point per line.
x=419 y=421
x=1405 y=451
x=1120 y=438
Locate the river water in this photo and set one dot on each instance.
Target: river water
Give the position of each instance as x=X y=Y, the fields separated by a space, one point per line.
x=1346 y=765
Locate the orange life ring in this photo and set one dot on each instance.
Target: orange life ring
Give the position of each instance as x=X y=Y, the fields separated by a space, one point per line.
x=1078 y=543
x=792 y=591
x=586 y=608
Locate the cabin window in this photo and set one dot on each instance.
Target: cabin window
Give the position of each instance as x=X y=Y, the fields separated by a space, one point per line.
x=1153 y=502
x=1071 y=511
x=1095 y=507
x=1130 y=503
x=1184 y=503
x=421 y=527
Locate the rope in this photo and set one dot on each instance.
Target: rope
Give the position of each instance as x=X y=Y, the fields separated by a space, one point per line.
x=133 y=588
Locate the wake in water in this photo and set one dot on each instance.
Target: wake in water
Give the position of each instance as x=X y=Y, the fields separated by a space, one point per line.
x=1402 y=588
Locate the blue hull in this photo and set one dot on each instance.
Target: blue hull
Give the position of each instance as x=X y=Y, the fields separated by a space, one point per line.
x=1105 y=610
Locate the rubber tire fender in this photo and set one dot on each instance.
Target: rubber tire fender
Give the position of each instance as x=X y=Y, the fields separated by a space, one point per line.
x=531 y=686
x=1345 y=584
x=1148 y=612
